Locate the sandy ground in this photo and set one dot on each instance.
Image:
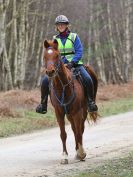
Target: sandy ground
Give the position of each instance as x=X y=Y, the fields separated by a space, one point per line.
x=39 y=154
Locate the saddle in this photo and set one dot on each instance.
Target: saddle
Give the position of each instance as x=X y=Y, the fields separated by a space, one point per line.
x=77 y=75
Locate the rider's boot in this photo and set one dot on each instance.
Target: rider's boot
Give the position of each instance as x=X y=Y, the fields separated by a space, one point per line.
x=92 y=107
x=42 y=107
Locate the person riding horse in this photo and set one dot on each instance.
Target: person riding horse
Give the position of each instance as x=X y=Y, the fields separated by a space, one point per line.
x=71 y=51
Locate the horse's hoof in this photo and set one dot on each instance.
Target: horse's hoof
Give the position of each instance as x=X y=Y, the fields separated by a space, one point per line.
x=64 y=161
x=80 y=157
x=83 y=156
x=77 y=157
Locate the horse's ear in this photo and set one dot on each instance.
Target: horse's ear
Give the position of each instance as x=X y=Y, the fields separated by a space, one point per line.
x=55 y=44
x=46 y=44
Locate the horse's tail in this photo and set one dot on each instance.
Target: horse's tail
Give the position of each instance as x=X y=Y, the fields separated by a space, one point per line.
x=93 y=117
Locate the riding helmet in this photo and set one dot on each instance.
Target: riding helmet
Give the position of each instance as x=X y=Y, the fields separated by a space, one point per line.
x=61 y=19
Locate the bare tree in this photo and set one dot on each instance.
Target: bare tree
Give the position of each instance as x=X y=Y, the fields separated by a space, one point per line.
x=105 y=28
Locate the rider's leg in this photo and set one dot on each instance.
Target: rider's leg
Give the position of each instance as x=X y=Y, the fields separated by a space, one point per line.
x=89 y=89
x=42 y=107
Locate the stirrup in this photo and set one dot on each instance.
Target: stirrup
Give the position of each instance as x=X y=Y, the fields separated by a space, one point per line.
x=92 y=107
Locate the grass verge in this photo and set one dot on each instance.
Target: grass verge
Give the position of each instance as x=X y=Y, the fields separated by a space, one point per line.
x=30 y=120
x=116 y=106
x=122 y=167
x=27 y=122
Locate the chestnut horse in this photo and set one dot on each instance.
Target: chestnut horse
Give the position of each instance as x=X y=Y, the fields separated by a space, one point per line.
x=67 y=97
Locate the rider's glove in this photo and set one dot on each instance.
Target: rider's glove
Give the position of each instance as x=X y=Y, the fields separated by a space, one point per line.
x=70 y=65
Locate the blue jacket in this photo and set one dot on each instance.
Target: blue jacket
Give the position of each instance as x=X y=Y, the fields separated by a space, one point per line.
x=77 y=47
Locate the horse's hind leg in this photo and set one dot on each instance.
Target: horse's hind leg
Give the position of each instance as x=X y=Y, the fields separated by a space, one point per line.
x=63 y=136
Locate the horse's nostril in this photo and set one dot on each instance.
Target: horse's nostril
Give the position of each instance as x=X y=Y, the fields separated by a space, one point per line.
x=53 y=71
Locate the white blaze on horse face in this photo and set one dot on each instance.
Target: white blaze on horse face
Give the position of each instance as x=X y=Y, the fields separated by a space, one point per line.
x=50 y=51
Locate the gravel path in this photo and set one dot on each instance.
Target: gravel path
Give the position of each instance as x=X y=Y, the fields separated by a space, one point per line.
x=38 y=154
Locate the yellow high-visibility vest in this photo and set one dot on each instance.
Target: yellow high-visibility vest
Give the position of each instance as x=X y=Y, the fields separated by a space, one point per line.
x=67 y=50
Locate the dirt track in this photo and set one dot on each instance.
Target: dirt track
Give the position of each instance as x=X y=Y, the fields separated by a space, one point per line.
x=38 y=154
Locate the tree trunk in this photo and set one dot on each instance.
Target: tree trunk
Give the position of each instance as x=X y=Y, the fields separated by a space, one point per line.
x=128 y=57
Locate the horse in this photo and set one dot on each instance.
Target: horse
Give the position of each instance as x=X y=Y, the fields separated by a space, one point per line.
x=67 y=97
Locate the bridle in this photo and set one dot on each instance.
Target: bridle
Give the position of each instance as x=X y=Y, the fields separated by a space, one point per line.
x=56 y=65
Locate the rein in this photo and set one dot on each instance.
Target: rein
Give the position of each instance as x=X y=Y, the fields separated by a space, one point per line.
x=62 y=99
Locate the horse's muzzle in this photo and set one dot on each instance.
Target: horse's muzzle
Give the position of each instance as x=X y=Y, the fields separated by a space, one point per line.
x=50 y=73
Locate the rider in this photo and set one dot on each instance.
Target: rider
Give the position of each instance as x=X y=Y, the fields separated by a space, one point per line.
x=71 y=51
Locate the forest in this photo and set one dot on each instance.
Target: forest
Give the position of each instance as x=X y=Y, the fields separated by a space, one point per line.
x=104 y=27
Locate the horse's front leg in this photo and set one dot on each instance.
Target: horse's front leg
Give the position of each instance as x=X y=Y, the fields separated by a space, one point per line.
x=79 y=127
x=63 y=135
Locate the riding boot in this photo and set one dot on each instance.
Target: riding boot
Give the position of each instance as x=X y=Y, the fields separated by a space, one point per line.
x=42 y=107
x=92 y=107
